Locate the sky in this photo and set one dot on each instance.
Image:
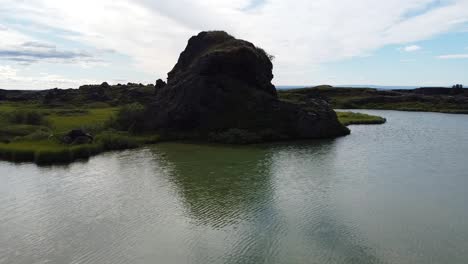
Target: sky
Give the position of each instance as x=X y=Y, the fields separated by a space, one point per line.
x=64 y=43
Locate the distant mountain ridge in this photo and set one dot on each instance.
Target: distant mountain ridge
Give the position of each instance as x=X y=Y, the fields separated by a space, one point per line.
x=381 y=87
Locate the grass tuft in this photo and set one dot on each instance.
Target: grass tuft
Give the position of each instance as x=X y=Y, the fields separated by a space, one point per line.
x=352 y=118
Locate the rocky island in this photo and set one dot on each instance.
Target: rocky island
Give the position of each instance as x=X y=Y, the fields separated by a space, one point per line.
x=220 y=90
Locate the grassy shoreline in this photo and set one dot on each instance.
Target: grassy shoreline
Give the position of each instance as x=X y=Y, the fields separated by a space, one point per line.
x=51 y=152
x=34 y=132
x=352 y=118
x=367 y=98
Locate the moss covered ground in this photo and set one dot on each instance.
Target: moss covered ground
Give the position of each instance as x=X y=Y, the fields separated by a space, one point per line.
x=352 y=118
x=41 y=142
x=368 y=98
x=32 y=132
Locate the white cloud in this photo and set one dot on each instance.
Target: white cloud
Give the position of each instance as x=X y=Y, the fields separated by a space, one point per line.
x=453 y=56
x=10 y=37
x=300 y=33
x=7 y=72
x=12 y=78
x=18 y=47
x=30 y=52
x=411 y=48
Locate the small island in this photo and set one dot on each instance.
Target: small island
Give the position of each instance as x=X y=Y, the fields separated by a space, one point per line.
x=352 y=118
x=220 y=91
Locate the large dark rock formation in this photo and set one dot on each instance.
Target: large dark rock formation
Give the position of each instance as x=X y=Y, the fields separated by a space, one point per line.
x=221 y=89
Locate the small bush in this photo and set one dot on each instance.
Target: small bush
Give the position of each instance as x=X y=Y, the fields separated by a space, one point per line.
x=113 y=141
x=53 y=156
x=40 y=134
x=27 y=117
x=19 y=130
x=6 y=154
x=269 y=56
x=94 y=129
x=72 y=112
x=152 y=139
x=98 y=105
x=130 y=118
x=85 y=151
x=22 y=155
x=81 y=152
x=81 y=141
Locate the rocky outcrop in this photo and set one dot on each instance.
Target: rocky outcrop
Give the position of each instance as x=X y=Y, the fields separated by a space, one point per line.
x=78 y=137
x=222 y=86
x=160 y=84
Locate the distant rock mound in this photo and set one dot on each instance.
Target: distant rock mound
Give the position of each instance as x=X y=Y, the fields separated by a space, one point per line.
x=77 y=136
x=221 y=89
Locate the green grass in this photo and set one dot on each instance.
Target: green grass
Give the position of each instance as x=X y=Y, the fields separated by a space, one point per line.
x=414 y=106
x=46 y=152
x=92 y=118
x=366 y=98
x=351 y=118
x=41 y=144
x=19 y=130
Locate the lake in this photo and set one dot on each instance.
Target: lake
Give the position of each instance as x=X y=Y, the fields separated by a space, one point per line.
x=392 y=193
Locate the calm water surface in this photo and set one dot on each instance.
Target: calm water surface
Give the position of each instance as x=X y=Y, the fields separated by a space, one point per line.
x=395 y=193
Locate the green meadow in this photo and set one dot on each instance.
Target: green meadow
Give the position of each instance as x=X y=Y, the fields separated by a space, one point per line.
x=352 y=118
x=33 y=133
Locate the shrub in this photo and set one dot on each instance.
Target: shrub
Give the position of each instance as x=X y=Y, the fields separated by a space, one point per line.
x=6 y=154
x=151 y=139
x=113 y=141
x=130 y=118
x=22 y=155
x=40 y=134
x=44 y=157
x=85 y=151
x=19 y=130
x=82 y=140
x=97 y=105
x=72 y=112
x=269 y=56
x=27 y=117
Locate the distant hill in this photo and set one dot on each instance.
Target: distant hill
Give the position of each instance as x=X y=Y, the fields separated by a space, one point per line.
x=380 y=87
x=427 y=99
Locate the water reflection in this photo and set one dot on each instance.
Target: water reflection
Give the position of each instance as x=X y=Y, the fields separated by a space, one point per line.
x=309 y=182
x=219 y=185
x=277 y=198
x=385 y=194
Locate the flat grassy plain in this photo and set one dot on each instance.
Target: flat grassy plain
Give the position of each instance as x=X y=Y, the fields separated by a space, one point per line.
x=42 y=144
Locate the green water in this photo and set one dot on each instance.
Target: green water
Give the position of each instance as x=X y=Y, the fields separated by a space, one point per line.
x=394 y=193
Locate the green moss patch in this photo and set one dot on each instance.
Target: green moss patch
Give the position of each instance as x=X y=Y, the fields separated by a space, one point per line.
x=352 y=118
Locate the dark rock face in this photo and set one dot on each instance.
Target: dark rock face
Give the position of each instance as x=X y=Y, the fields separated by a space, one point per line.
x=78 y=137
x=160 y=84
x=221 y=83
